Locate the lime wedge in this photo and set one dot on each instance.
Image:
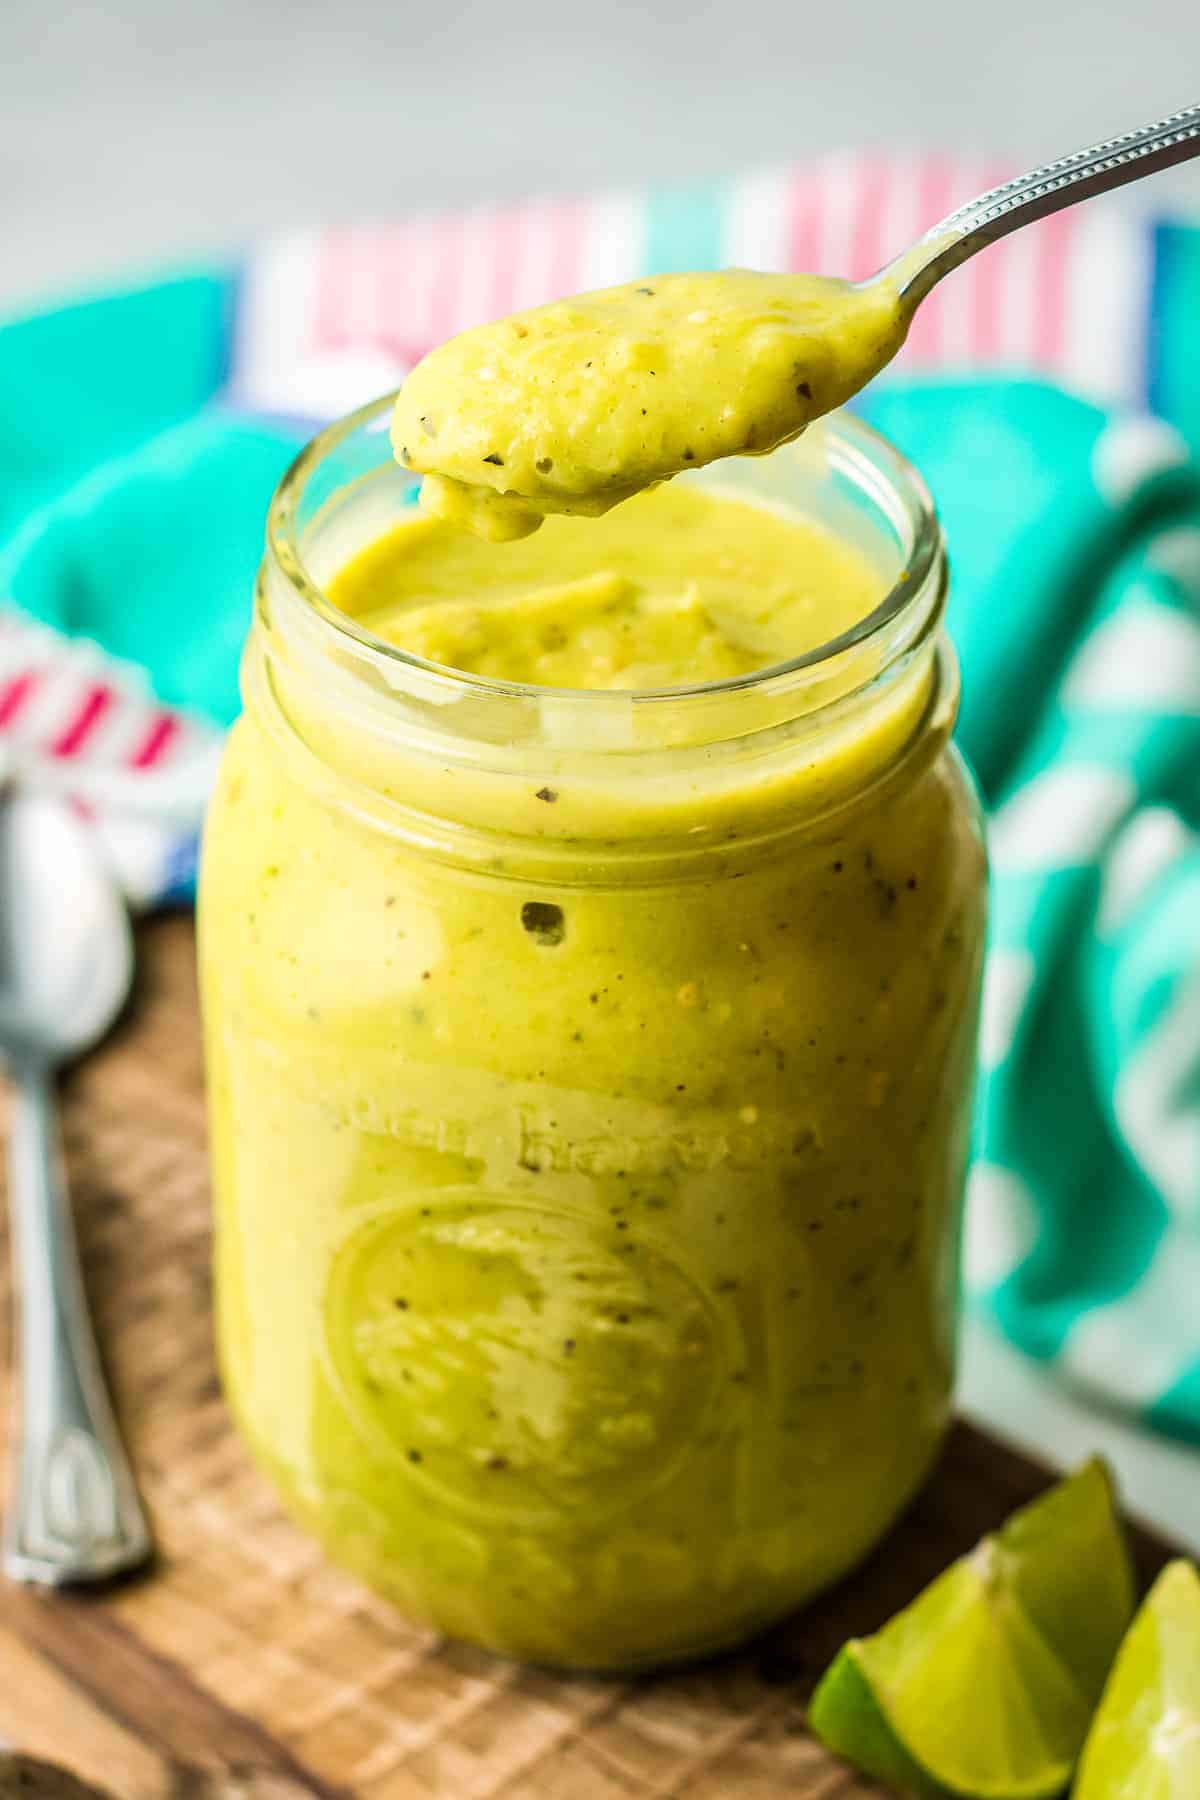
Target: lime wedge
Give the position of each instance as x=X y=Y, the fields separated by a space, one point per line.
x=985 y=1686
x=1145 y=1742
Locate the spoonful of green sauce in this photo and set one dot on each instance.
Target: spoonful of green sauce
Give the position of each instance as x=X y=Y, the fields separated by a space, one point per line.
x=576 y=406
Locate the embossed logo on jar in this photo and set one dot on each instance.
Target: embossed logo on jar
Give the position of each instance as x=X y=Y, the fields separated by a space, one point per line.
x=521 y=1360
x=734 y=1143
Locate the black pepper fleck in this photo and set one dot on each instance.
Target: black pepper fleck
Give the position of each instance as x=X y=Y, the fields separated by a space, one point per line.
x=493 y=458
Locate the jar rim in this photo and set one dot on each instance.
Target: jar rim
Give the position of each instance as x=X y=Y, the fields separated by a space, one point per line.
x=885 y=471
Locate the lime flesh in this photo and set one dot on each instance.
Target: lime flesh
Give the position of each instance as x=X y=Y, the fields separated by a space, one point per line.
x=1145 y=1742
x=985 y=1685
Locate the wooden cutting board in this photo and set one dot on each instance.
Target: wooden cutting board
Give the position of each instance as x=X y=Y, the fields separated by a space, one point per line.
x=243 y=1665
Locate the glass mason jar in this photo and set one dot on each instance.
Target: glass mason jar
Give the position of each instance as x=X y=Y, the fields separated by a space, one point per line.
x=589 y=1079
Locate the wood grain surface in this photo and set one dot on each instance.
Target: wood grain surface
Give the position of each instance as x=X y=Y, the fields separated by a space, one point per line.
x=243 y=1665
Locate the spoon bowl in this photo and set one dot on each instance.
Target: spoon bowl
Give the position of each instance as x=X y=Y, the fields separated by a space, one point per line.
x=66 y=950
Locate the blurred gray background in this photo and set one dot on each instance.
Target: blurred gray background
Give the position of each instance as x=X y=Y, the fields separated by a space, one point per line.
x=140 y=129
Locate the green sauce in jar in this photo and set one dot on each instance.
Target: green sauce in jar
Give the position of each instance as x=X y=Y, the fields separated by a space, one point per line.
x=590 y=1068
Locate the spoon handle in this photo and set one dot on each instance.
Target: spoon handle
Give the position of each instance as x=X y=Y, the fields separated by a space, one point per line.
x=74 y=1513
x=1046 y=190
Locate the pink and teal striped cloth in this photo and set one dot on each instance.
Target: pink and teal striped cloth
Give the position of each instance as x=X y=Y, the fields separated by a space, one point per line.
x=1072 y=299
x=1051 y=394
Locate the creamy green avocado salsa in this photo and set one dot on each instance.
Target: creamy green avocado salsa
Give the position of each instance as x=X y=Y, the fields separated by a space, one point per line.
x=684 y=585
x=588 y=1146
x=573 y=407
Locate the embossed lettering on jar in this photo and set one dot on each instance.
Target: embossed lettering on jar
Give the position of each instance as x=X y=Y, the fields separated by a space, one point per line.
x=588 y=1171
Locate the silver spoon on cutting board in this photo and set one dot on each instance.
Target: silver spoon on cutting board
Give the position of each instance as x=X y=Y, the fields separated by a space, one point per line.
x=66 y=962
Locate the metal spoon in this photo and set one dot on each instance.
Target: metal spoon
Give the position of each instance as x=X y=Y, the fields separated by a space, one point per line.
x=66 y=961
x=1046 y=190
x=726 y=364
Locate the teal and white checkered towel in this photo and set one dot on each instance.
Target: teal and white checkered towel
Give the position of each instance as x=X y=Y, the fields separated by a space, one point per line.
x=141 y=434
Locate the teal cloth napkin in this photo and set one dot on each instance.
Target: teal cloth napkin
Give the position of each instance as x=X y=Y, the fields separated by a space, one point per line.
x=1075 y=544
x=132 y=497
